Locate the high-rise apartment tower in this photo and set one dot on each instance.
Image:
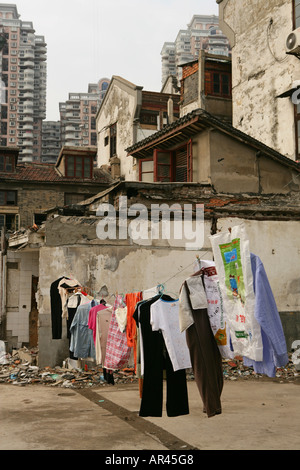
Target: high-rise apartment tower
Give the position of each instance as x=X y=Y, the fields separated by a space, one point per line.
x=23 y=71
x=78 y=115
x=202 y=33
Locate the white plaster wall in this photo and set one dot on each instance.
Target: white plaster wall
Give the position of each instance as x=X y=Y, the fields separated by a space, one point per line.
x=261 y=72
x=119 y=107
x=21 y=285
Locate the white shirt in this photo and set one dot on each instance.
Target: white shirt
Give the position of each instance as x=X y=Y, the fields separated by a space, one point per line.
x=164 y=316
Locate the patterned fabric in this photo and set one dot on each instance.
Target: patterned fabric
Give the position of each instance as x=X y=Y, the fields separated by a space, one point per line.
x=117 y=350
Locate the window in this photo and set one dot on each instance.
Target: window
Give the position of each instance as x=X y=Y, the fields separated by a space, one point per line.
x=147 y=171
x=78 y=167
x=75 y=198
x=8 y=198
x=40 y=218
x=296 y=17
x=168 y=166
x=296 y=14
x=218 y=84
x=9 y=221
x=7 y=163
x=113 y=140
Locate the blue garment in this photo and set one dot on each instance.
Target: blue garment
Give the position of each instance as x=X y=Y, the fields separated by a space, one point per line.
x=266 y=313
x=82 y=342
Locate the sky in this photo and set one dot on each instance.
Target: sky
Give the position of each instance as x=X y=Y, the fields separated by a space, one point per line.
x=91 y=39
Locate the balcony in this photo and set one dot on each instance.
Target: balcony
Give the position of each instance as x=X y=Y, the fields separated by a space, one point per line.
x=28 y=55
x=28 y=85
x=27 y=135
x=27 y=110
x=26 y=151
x=28 y=95
x=26 y=119
x=71 y=116
x=28 y=64
x=27 y=127
x=70 y=136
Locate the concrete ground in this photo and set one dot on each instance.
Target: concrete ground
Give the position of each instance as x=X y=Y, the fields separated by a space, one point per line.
x=261 y=414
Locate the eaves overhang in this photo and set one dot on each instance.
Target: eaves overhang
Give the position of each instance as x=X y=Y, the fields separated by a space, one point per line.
x=192 y=124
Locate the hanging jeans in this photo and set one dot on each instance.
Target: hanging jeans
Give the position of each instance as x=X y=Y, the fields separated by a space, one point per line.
x=156 y=360
x=206 y=362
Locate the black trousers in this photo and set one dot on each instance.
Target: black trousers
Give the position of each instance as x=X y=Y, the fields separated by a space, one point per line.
x=156 y=360
x=206 y=362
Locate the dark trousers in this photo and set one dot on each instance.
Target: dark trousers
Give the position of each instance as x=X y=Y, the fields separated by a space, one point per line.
x=206 y=362
x=156 y=360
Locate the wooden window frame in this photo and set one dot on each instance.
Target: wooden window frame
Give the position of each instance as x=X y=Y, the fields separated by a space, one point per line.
x=5 y=191
x=8 y=159
x=172 y=167
x=141 y=161
x=209 y=83
x=83 y=159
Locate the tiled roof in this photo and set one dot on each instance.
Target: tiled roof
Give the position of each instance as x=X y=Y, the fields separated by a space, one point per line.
x=43 y=172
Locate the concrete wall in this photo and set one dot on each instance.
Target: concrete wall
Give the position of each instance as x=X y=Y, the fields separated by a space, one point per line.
x=236 y=168
x=261 y=70
x=104 y=268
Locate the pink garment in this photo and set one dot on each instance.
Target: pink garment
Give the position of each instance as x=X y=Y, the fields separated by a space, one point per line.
x=92 y=323
x=117 y=350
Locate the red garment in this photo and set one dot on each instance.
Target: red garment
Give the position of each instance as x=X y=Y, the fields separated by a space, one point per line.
x=92 y=322
x=131 y=300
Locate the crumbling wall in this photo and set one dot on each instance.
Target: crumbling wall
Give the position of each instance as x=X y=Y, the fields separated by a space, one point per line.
x=261 y=70
x=108 y=267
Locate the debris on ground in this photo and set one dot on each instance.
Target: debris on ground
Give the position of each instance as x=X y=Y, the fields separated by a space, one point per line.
x=20 y=368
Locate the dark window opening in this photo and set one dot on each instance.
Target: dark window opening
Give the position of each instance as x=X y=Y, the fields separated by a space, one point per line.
x=9 y=221
x=40 y=218
x=296 y=14
x=113 y=140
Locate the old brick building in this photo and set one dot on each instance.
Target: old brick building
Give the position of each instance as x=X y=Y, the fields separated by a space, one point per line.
x=27 y=190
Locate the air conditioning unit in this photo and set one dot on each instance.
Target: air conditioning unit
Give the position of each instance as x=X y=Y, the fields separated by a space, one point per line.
x=293 y=42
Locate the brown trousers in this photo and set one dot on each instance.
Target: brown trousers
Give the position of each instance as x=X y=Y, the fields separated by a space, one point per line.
x=206 y=362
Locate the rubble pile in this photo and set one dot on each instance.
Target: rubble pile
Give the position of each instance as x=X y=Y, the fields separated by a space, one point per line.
x=235 y=369
x=20 y=368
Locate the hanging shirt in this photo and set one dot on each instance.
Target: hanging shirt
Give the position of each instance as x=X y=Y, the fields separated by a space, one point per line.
x=266 y=313
x=63 y=287
x=92 y=320
x=102 y=327
x=131 y=300
x=121 y=315
x=164 y=316
x=82 y=343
